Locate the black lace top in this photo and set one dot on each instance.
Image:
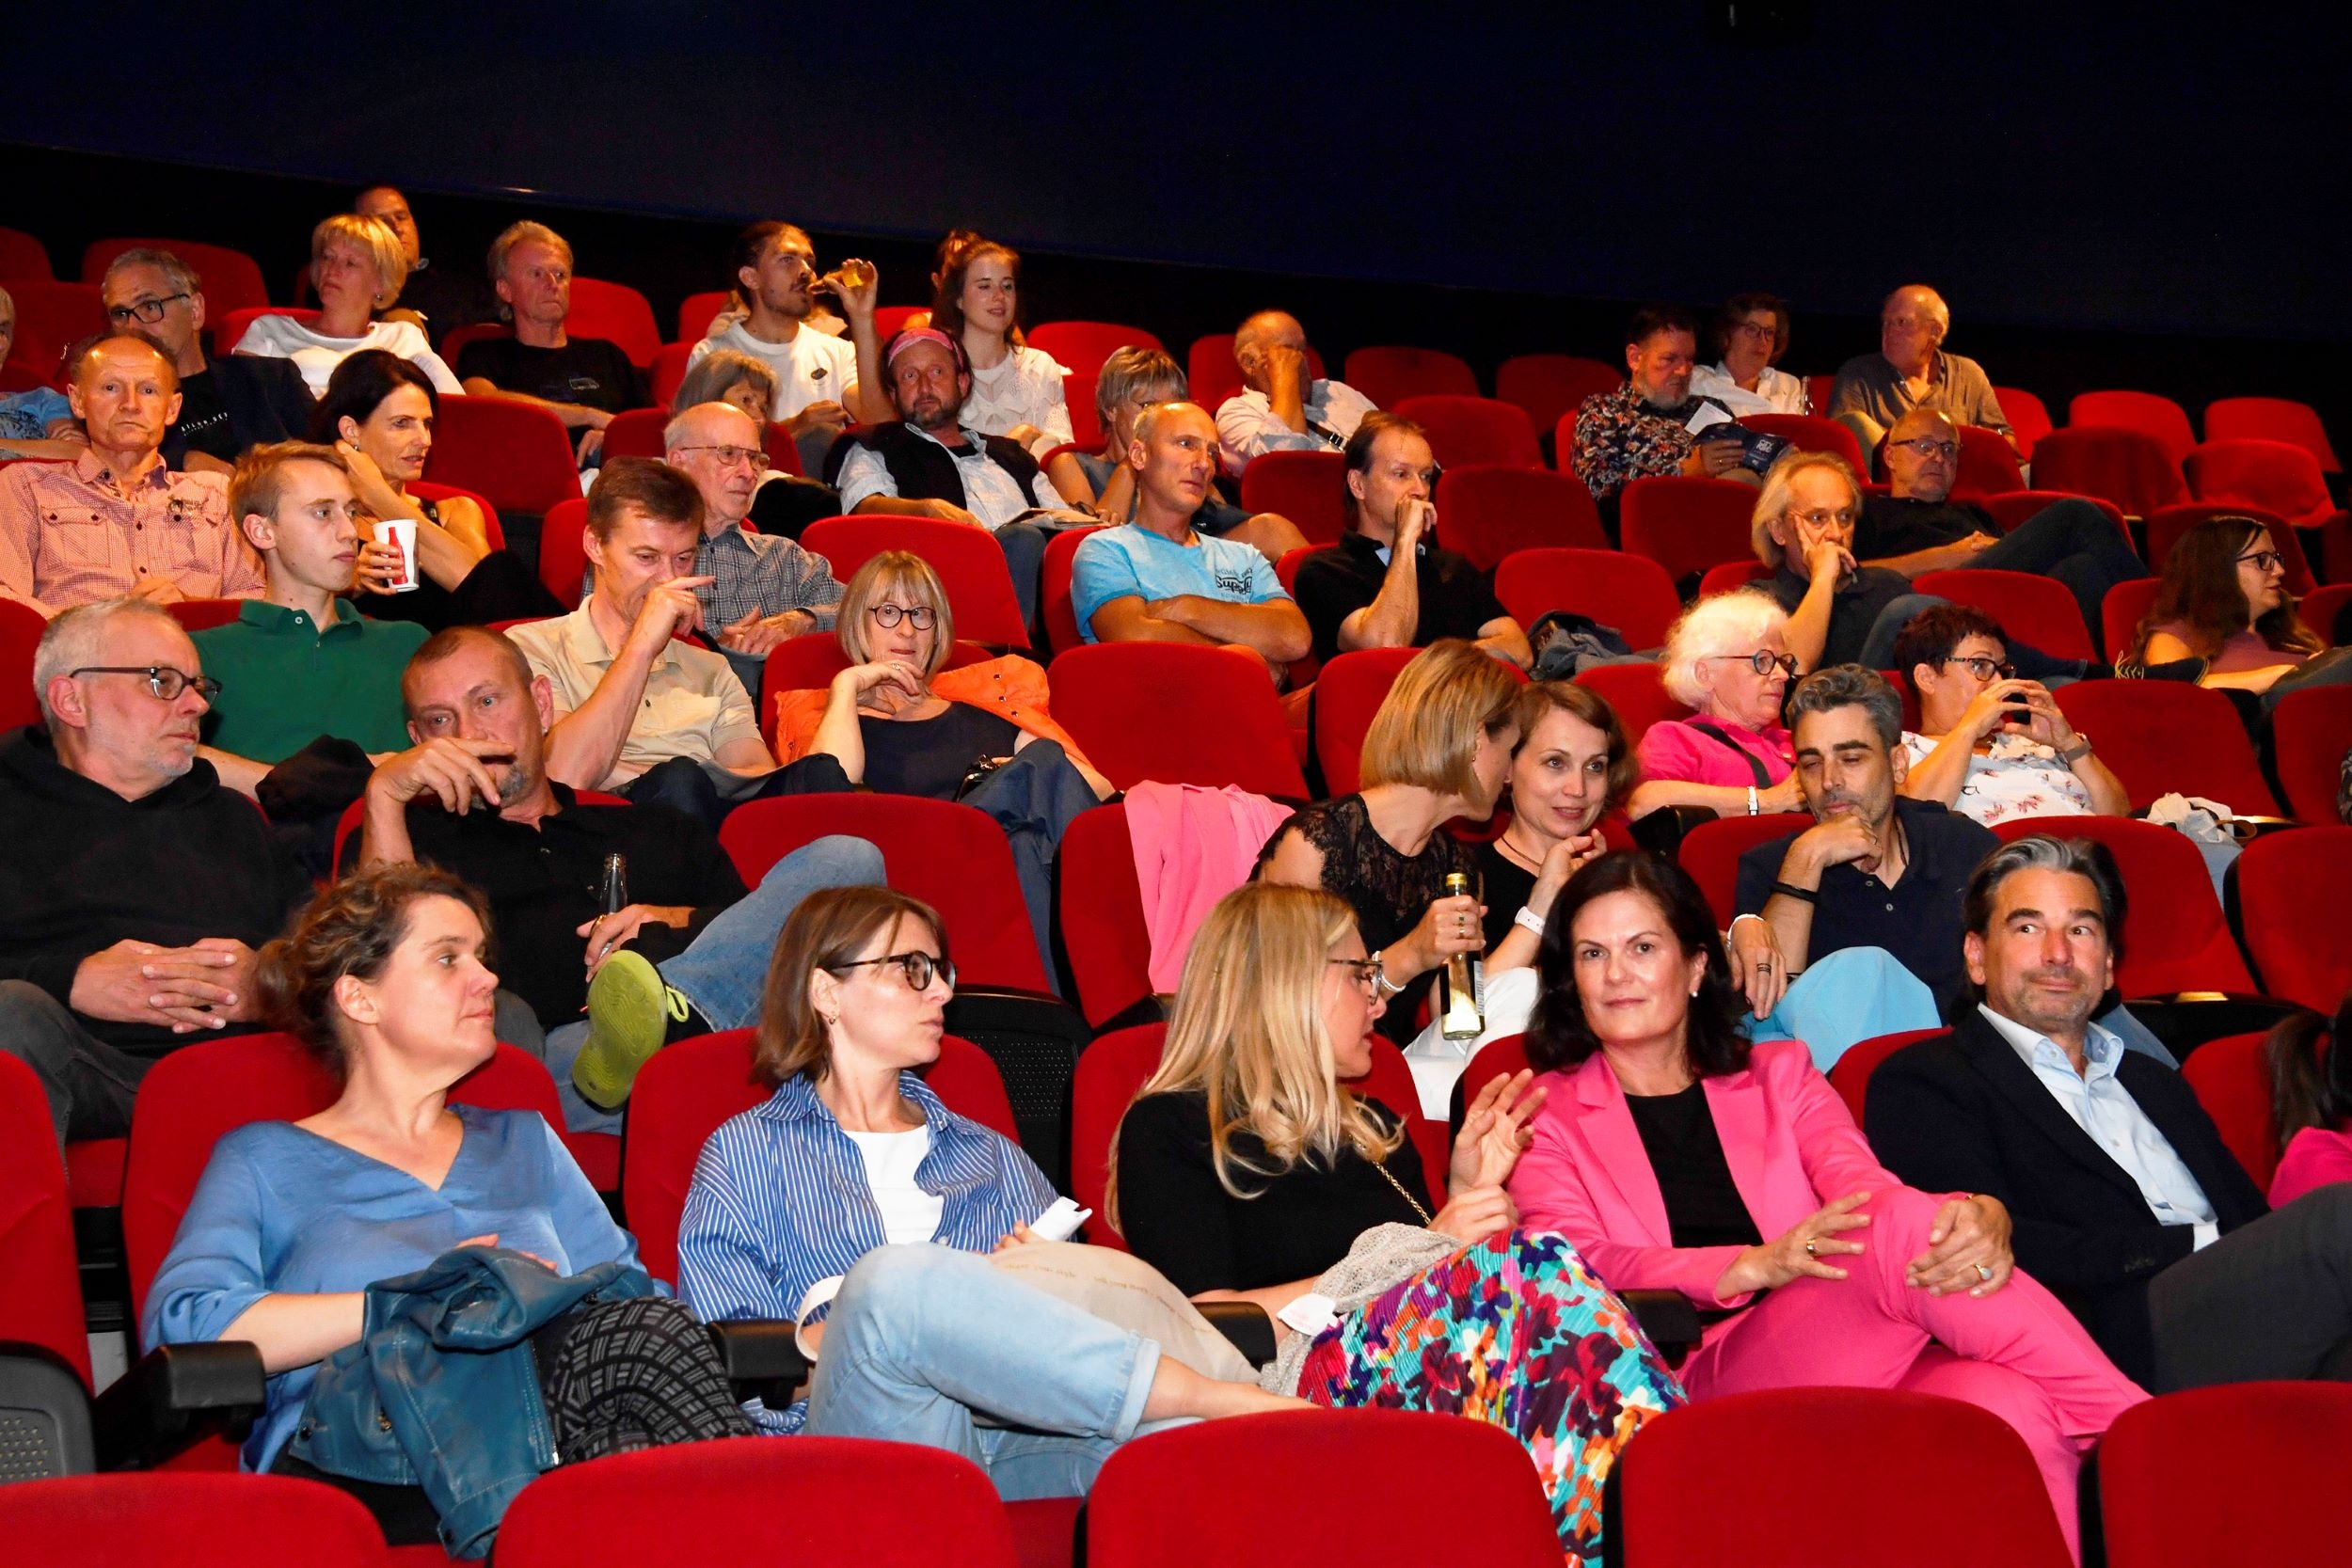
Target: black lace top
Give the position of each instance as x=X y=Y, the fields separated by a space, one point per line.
x=1389 y=891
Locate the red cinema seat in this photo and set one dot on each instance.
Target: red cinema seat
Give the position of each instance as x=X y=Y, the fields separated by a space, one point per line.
x=1636 y=694
x=2145 y=411
x=1487 y=513
x=809 y=662
x=1988 y=465
x=2166 y=528
x=2174 y=937
x=1178 y=714
x=2278 y=477
x=1100 y=907
x=1086 y=423
x=1813 y=433
x=1212 y=375
x=492 y=530
x=21 y=627
x=564 y=550
x=1710 y=853
x=2159 y=736
x=1081 y=347
x=2031 y=609
x=1723 y=1482
x=2310 y=731
x=458 y=338
x=2135 y=470
x=23 y=259
x=513 y=455
x=1687 y=525
x=2014 y=509
x=1391 y=376
x=52 y=317
x=1850 y=1076
x=229 y=327
x=191 y=1521
x=2321 y=606
x=696 y=311
x=952 y=856
x=2122 y=610
x=2260 y=420
x=1467 y=430
x=1551 y=385
x=617 y=313
x=970 y=564
x=689 y=1088
x=1630 y=593
x=42 y=1305
x=196 y=616
x=1307 y=487
x=2266 y=1453
x=2027 y=415
x=1349 y=692
x=1731 y=577
x=228 y=279
x=2295 y=896
x=667 y=374
x=1499 y=1057
x=2230 y=1078
x=1110 y=1072
x=1060 y=616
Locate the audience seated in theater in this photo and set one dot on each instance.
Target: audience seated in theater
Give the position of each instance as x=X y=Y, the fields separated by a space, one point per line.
x=470 y=794
x=1643 y=428
x=2311 y=1099
x=927 y=464
x=820 y=383
x=2224 y=604
x=137 y=887
x=116 y=520
x=225 y=406
x=1160 y=580
x=393 y=1204
x=357 y=268
x=1386 y=583
x=1726 y=658
x=1975 y=753
x=1674 y=1154
x=380 y=412
x=38 y=421
x=1133 y=380
x=784 y=503
x=1246 y=1171
x=1911 y=370
x=2126 y=1199
x=1283 y=407
x=581 y=381
x=638 y=711
x=300 y=664
x=439 y=299
x=927 y=1214
x=1439 y=747
x=1919 y=528
x=1750 y=335
x=1016 y=389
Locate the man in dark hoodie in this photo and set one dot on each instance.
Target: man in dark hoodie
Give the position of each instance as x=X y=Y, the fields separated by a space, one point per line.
x=136 y=887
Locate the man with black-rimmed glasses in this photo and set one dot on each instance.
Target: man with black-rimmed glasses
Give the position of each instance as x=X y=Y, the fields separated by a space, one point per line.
x=226 y=404
x=136 y=888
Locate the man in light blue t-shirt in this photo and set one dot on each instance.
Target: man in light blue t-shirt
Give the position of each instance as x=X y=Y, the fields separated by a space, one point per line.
x=1156 y=580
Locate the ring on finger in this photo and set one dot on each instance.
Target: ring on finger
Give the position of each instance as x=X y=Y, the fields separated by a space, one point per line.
x=1984 y=1274
x=1809 y=1251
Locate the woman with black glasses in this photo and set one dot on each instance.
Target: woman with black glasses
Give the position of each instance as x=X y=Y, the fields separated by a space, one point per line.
x=1728 y=661
x=2224 y=602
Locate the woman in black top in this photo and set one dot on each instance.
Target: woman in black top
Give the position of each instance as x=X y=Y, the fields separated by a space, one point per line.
x=1246 y=1169
x=1440 y=747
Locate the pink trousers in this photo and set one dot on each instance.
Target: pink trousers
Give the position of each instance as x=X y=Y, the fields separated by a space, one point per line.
x=2017 y=1353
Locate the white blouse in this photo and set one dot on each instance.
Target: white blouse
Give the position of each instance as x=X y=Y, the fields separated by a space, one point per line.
x=315 y=354
x=2016 y=777
x=908 y=1212
x=1024 y=388
x=1776 y=391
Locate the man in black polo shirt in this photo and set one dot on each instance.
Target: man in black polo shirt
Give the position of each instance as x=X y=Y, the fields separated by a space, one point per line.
x=226 y=404
x=1875 y=870
x=581 y=381
x=472 y=796
x=1385 y=585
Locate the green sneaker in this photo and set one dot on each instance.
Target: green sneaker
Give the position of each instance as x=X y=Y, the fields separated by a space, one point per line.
x=630 y=1011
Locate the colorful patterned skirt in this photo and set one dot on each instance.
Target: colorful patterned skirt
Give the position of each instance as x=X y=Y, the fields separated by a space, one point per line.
x=1515 y=1332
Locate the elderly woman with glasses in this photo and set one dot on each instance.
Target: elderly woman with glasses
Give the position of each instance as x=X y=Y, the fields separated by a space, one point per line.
x=1728 y=661
x=1750 y=335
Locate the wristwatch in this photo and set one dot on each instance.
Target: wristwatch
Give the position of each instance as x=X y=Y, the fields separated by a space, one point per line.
x=2079 y=751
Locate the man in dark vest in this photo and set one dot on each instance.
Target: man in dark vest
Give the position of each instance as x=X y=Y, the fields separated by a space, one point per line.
x=928 y=466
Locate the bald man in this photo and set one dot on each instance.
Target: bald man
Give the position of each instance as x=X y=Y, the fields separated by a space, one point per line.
x=115 y=521
x=1911 y=370
x=1284 y=408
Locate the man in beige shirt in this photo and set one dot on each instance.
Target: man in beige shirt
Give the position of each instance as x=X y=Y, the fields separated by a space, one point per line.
x=644 y=706
x=116 y=522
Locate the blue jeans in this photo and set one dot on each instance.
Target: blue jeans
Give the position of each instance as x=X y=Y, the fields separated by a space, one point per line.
x=1854 y=994
x=2075 y=543
x=927 y=1344
x=724 y=973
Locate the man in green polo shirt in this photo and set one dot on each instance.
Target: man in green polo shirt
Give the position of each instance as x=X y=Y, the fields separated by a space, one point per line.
x=300 y=663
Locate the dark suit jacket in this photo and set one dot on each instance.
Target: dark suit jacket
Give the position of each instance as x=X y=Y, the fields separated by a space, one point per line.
x=266 y=398
x=1965 y=1113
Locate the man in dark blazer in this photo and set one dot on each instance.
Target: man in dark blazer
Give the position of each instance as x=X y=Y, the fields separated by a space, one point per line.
x=2124 y=1200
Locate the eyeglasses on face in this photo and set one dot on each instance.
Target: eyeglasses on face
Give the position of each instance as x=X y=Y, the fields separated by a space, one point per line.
x=918 y=968
x=731 y=457
x=1363 y=973
x=148 y=311
x=1984 y=669
x=1843 y=517
x=922 y=617
x=163 y=682
x=1920 y=447
x=2266 y=560
x=1762 y=332
x=1763 y=661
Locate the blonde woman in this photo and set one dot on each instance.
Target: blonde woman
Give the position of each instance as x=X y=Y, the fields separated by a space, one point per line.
x=1440 y=747
x=357 y=268
x=1245 y=1169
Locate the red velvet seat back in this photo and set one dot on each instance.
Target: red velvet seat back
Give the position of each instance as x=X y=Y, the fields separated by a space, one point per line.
x=1471 y=431
x=1390 y=374
x=2268 y=1457
x=2145 y=411
x=1307 y=487
x=970 y=564
x=2159 y=736
x=518 y=458
x=2135 y=470
x=1687 y=525
x=1850 y=1075
x=1551 y=385
x=2295 y=897
x=137 y=1520
x=2174 y=937
x=1710 y=853
x=43 y=1303
x=1636 y=694
x=1630 y=593
x=1178 y=714
x=2031 y=609
x=1101 y=908
x=1487 y=514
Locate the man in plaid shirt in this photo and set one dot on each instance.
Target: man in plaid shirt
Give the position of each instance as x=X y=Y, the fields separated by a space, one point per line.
x=1643 y=428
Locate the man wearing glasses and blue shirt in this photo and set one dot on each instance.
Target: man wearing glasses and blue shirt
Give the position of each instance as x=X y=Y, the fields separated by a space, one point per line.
x=136 y=888
x=226 y=404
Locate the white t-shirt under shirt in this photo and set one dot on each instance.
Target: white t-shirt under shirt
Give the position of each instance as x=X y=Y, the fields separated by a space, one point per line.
x=908 y=1212
x=316 y=355
x=1022 y=387
x=2017 y=777
x=811 y=368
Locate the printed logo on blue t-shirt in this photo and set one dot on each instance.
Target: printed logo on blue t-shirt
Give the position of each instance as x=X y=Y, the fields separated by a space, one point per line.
x=1237 y=584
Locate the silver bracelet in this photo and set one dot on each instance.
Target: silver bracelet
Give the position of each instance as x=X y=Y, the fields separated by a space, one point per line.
x=1529 y=919
x=1752 y=803
x=1380 y=973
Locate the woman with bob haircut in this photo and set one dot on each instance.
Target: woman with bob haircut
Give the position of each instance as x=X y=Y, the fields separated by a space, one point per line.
x=384 y=978
x=358 y=267
x=854 y=1170
x=1247 y=1171
x=1676 y=1155
x=1440 y=747
x=1750 y=335
x=1726 y=658
x=2224 y=601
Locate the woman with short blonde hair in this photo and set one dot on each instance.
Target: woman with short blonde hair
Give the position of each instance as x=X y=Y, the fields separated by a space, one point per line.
x=358 y=267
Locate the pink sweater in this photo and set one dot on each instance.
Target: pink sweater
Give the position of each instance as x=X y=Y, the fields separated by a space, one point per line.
x=2314 y=1157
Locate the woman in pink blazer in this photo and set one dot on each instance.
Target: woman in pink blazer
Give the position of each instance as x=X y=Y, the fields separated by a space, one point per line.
x=1676 y=1156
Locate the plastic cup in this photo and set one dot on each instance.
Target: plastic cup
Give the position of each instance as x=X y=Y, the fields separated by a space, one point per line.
x=401 y=532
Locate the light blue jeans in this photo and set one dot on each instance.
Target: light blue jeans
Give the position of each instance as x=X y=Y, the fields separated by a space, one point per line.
x=927 y=1344
x=726 y=972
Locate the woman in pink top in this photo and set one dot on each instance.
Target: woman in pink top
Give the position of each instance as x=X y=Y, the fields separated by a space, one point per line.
x=2311 y=1099
x=1727 y=658
x=1676 y=1156
x=2224 y=600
